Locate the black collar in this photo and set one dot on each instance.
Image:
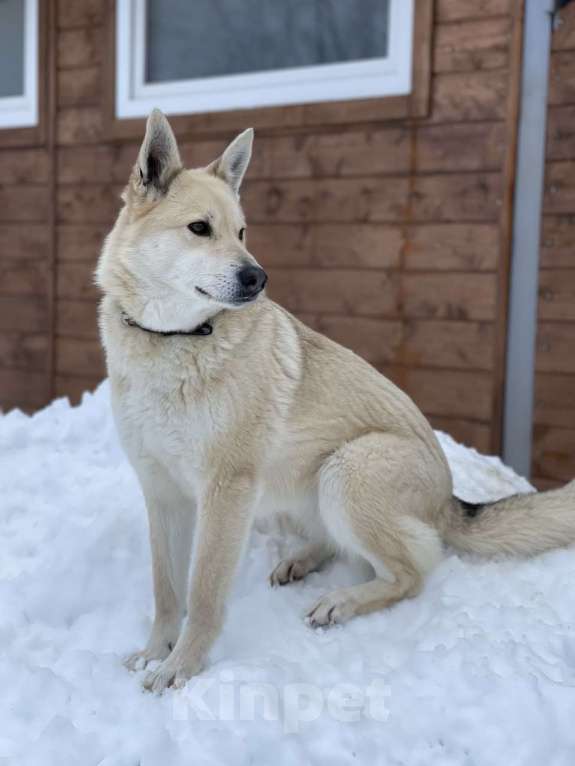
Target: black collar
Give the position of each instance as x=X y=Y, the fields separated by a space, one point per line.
x=204 y=329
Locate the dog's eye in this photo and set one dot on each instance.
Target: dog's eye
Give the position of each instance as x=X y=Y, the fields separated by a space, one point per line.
x=200 y=228
x=242 y=234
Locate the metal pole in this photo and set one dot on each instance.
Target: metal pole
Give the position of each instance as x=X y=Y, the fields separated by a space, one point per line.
x=522 y=321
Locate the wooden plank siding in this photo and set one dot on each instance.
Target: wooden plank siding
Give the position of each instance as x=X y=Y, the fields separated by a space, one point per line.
x=382 y=232
x=554 y=406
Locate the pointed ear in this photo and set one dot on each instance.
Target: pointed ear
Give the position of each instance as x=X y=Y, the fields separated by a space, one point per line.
x=233 y=163
x=159 y=159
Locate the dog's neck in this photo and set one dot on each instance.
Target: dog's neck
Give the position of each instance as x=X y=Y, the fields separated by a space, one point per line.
x=206 y=328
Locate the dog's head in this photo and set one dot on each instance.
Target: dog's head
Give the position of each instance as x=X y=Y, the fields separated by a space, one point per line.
x=177 y=254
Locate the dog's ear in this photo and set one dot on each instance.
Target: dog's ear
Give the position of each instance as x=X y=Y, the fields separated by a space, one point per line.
x=159 y=159
x=233 y=163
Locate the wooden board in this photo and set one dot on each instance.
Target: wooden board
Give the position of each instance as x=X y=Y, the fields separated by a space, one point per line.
x=454 y=10
x=553 y=453
x=557 y=240
x=557 y=296
x=353 y=293
x=471 y=45
x=449 y=296
x=554 y=403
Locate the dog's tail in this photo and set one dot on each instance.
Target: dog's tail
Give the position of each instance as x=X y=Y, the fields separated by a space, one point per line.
x=520 y=525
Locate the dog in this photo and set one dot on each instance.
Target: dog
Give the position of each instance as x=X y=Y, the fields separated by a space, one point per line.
x=227 y=406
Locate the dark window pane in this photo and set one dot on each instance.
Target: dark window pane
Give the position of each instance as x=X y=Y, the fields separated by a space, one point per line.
x=11 y=48
x=205 y=38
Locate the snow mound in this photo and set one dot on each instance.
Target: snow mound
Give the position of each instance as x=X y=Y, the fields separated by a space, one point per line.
x=479 y=670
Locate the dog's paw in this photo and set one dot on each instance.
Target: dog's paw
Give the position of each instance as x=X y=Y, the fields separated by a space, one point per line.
x=161 y=642
x=288 y=570
x=333 y=609
x=140 y=660
x=173 y=672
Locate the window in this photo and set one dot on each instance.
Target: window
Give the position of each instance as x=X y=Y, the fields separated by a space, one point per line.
x=18 y=63
x=188 y=56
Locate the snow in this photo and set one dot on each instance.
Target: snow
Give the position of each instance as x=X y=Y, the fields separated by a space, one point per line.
x=479 y=670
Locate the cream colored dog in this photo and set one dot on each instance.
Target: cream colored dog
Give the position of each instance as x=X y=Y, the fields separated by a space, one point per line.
x=227 y=405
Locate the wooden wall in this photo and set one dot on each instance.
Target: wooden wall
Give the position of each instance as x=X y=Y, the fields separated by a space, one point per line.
x=554 y=416
x=389 y=236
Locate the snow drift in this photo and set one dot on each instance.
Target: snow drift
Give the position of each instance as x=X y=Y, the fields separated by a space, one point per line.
x=478 y=670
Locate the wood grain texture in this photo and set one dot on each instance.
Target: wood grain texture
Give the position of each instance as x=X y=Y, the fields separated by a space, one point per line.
x=450 y=393
x=79 y=87
x=80 y=357
x=23 y=276
x=333 y=200
x=75 y=280
x=557 y=240
x=555 y=347
x=81 y=47
x=80 y=125
x=469 y=96
x=25 y=315
x=454 y=10
x=456 y=197
x=461 y=147
x=557 y=296
x=559 y=187
x=554 y=403
x=448 y=344
x=374 y=151
x=553 y=453
x=77 y=319
x=451 y=247
x=81 y=242
x=22 y=390
x=350 y=246
x=564 y=29
x=17 y=241
x=375 y=340
x=561 y=133
x=449 y=296
x=20 y=351
x=351 y=293
x=468 y=46
x=81 y=13
x=24 y=166
x=88 y=204
x=562 y=78
x=24 y=204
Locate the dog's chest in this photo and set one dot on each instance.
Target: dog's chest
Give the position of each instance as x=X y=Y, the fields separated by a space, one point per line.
x=164 y=423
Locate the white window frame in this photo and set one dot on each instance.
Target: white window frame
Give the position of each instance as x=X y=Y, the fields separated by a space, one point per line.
x=22 y=111
x=371 y=78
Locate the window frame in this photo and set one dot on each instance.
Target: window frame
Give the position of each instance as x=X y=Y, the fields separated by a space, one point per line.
x=24 y=111
x=279 y=119
x=350 y=81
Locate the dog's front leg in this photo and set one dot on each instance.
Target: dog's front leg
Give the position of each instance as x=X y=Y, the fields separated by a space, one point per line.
x=223 y=524
x=171 y=518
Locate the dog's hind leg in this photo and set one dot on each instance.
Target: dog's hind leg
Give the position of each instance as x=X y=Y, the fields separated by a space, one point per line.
x=373 y=495
x=171 y=520
x=296 y=567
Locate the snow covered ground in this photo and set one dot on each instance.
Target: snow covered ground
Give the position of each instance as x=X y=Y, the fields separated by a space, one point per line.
x=477 y=671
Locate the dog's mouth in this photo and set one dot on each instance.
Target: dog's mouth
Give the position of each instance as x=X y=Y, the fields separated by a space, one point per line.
x=238 y=300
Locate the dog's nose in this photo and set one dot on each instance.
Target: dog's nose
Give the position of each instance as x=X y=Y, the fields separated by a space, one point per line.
x=252 y=279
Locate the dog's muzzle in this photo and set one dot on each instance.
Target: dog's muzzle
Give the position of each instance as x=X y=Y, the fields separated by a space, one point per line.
x=252 y=281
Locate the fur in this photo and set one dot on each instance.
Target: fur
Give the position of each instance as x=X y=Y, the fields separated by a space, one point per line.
x=264 y=414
